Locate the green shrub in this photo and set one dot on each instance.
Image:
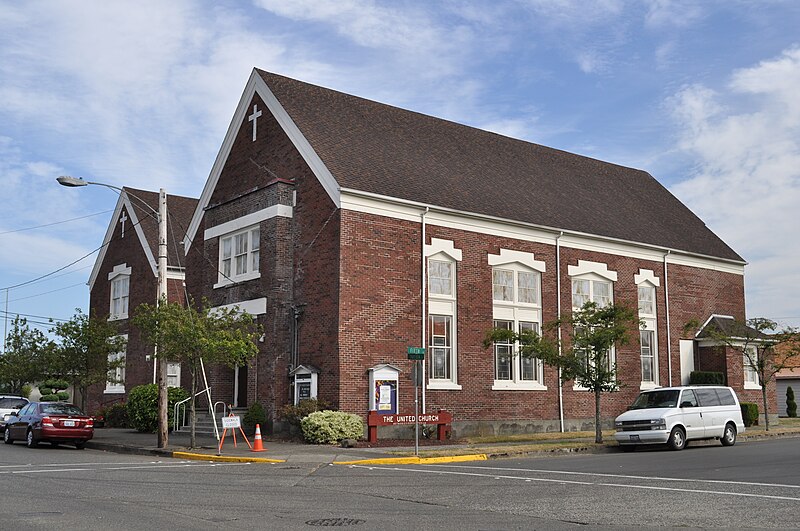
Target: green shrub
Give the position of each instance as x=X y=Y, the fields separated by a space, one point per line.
x=142 y=406
x=749 y=413
x=115 y=415
x=63 y=396
x=49 y=398
x=330 y=427
x=791 y=405
x=706 y=378
x=255 y=415
x=295 y=414
x=26 y=390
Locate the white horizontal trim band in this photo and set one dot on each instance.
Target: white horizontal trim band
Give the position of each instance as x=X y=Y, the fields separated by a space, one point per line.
x=248 y=220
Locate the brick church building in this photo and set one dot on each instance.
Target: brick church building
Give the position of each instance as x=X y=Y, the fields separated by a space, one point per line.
x=125 y=276
x=353 y=230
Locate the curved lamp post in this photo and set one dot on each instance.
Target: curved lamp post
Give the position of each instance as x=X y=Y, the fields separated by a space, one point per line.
x=161 y=216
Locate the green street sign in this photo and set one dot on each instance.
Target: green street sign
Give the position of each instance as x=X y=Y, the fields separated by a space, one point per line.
x=416 y=353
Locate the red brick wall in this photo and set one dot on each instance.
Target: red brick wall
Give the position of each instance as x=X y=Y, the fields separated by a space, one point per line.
x=299 y=262
x=380 y=310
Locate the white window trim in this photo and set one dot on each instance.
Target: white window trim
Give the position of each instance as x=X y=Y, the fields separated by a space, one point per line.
x=177 y=373
x=444 y=250
x=120 y=270
x=516 y=312
x=233 y=278
x=593 y=272
x=117 y=388
x=646 y=278
x=749 y=384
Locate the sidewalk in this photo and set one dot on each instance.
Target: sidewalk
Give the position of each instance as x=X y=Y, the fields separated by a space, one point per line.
x=128 y=441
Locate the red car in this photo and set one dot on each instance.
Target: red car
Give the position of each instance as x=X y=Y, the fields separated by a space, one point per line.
x=54 y=422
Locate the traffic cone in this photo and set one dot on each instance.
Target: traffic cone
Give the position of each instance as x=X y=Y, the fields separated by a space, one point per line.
x=258 y=446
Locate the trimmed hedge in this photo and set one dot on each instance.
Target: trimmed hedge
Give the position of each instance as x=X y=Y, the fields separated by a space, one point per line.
x=749 y=413
x=293 y=415
x=706 y=378
x=330 y=427
x=143 y=406
x=791 y=405
x=255 y=415
x=115 y=415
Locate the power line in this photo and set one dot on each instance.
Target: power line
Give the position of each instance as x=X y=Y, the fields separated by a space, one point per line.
x=26 y=315
x=55 y=222
x=48 y=292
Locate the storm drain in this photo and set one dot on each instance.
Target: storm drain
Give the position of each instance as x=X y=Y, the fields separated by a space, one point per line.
x=335 y=522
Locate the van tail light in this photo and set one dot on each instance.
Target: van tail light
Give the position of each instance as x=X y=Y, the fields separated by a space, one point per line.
x=47 y=421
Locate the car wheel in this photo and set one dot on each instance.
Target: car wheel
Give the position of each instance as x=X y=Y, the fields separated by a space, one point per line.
x=31 y=441
x=729 y=437
x=80 y=445
x=7 y=437
x=677 y=439
x=627 y=448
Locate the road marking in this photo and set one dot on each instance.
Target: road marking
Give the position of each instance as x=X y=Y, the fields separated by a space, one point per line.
x=623 y=476
x=94 y=463
x=188 y=464
x=590 y=483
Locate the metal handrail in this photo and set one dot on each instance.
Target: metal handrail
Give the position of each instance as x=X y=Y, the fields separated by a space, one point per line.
x=180 y=404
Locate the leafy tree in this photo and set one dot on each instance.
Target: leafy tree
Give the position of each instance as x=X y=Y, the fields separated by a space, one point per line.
x=83 y=354
x=593 y=332
x=765 y=349
x=22 y=362
x=192 y=335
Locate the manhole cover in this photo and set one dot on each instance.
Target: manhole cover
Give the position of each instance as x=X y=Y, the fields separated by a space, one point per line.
x=335 y=522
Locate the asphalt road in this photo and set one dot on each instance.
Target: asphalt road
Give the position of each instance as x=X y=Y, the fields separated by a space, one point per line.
x=753 y=484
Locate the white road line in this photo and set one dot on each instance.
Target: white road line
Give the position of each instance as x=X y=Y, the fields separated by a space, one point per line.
x=623 y=476
x=95 y=463
x=588 y=483
x=185 y=464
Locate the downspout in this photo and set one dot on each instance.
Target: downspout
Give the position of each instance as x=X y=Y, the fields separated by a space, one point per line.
x=666 y=305
x=423 y=306
x=558 y=308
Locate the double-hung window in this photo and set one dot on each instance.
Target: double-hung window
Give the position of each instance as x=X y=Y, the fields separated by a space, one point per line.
x=646 y=284
x=239 y=255
x=592 y=282
x=115 y=383
x=516 y=306
x=120 y=278
x=749 y=361
x=442 y=352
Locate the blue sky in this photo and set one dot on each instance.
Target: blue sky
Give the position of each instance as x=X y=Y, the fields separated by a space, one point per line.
x=704 y=95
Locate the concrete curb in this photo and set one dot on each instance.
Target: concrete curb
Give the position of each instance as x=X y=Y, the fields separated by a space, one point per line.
x=415 y=460
x=224 y=458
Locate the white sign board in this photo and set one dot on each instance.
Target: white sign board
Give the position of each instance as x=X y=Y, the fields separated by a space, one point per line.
x=231 y=422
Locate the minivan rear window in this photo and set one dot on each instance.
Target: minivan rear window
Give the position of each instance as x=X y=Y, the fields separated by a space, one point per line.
x=708 y=397
x=726 y=397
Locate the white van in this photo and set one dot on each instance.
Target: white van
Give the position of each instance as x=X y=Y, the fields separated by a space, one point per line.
x=675 y=415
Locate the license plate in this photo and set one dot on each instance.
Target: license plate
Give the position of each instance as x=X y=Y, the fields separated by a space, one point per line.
x=68 y=423
x=635 y=438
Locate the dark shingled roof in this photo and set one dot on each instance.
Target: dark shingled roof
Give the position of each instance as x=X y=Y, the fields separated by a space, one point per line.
x=730 y=327
x=385 y=150
x=179 y=214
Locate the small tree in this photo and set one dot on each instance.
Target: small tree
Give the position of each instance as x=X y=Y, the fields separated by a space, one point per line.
x=88 y=350
x=764 y=349
x=593 y=331
x=23 y=361
x=791 y=405
x=188 y=335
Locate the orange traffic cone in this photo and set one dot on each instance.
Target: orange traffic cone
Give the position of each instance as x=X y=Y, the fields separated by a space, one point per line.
x=258 y=446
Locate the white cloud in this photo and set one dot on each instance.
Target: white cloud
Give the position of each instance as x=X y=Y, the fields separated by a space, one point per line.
x=673 y=13
x=746 y=140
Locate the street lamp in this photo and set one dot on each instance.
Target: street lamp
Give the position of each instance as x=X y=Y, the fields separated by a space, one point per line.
x=161 y=216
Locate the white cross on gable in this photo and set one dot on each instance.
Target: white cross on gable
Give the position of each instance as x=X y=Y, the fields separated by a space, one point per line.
x=122 y=219
x=253 y=118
